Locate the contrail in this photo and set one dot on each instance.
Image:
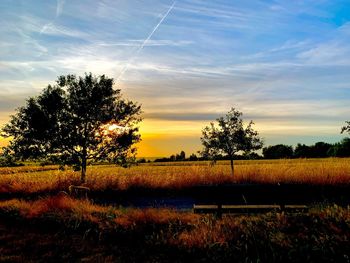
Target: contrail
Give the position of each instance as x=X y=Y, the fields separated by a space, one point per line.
x=145 y=42
x=59 y=7
x=59 y=10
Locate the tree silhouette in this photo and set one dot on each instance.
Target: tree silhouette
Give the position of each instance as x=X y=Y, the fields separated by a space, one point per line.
x=340 y=149
x=303 y=151
x=346 y=128
x=278 y=151
x=181 y=156
x=76 y=120
x=228 y=137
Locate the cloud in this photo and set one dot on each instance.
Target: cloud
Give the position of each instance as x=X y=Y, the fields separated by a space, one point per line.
x=59 y=8
x=300 y=110
x=179 y=116
x=57 y=30
x=277 y=8
x=9 y=104
x=288 y=47
x=328 y=54
x=28 y=25
x=345 y=29
x=273 y=61
x=80 y=64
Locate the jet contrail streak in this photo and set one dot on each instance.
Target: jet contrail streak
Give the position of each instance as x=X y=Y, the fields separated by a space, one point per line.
x=59 y=8
x=145 y=41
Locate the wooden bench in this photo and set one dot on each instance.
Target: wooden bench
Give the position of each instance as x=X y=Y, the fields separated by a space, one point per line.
x=247 y=209
x=259 y=198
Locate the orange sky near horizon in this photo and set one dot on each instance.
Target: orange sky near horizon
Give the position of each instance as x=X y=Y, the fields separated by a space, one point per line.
x=163 y=138
x=3 y=142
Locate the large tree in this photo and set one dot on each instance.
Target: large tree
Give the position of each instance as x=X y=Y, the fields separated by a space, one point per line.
x=228 y=137
x=75 y=120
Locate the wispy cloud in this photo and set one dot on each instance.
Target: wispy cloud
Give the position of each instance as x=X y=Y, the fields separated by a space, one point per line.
x=30 y=24
x=333 y=53
x=57 y=30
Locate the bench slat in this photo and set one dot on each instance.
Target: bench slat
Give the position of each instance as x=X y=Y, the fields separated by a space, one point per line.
x=247 y=208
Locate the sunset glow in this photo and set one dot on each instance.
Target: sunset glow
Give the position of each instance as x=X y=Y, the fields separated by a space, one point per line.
x=283 y=64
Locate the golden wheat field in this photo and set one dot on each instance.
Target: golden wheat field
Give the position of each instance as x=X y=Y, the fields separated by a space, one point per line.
x=32 y=179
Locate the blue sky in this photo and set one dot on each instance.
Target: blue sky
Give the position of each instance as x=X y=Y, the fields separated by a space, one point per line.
x=284 y=64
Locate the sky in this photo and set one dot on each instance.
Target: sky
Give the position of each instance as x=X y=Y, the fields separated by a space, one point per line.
x=284 y=64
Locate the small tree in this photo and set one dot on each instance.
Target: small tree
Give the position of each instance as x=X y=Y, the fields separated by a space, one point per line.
x=228 y=137
x=303 y=151
x=345 y=142
x=346 y=128
x=76 y=120
x=320 y=149
x=340 y=149
x=181 y=156
x=193 y=157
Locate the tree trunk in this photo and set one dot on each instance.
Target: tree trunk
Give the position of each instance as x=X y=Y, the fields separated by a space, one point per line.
x=232 y=167
x=83 y=170
x=83 y=165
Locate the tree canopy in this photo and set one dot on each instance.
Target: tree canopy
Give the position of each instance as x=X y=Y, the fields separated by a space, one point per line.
x=229 y=136
x=278 y=151
x=75 y=120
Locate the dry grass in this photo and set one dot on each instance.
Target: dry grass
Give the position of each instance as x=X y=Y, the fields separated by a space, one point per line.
x=119 y=234
x=27 y=169
x=323 y=234
x=320 y=226
x=59 y=204
x=181 y=175
x=64 y=207
x=37 y=182
x=309 y=171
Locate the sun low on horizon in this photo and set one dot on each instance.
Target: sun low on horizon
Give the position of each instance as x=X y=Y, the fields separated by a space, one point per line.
x=283 y=64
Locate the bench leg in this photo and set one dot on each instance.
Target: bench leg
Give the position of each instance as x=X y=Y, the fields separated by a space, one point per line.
x=219 y=211
x=282 y=207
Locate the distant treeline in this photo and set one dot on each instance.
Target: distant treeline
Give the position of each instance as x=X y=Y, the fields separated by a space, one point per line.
x=317 y=150
x=279 y=151
x=180 y=157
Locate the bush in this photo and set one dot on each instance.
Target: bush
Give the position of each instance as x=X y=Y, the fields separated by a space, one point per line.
x=8 y=161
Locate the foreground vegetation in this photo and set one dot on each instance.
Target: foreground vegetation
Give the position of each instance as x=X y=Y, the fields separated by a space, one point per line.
x=32 y=179
x=61 y=228
x=53 y=226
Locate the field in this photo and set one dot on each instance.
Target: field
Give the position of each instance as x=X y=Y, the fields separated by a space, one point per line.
x=38 y=222
x=36 y=179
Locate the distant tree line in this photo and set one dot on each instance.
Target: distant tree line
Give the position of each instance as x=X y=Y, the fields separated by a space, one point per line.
x=195 y=157
x=278 y=151
x=179 y=157
x=317 y=150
